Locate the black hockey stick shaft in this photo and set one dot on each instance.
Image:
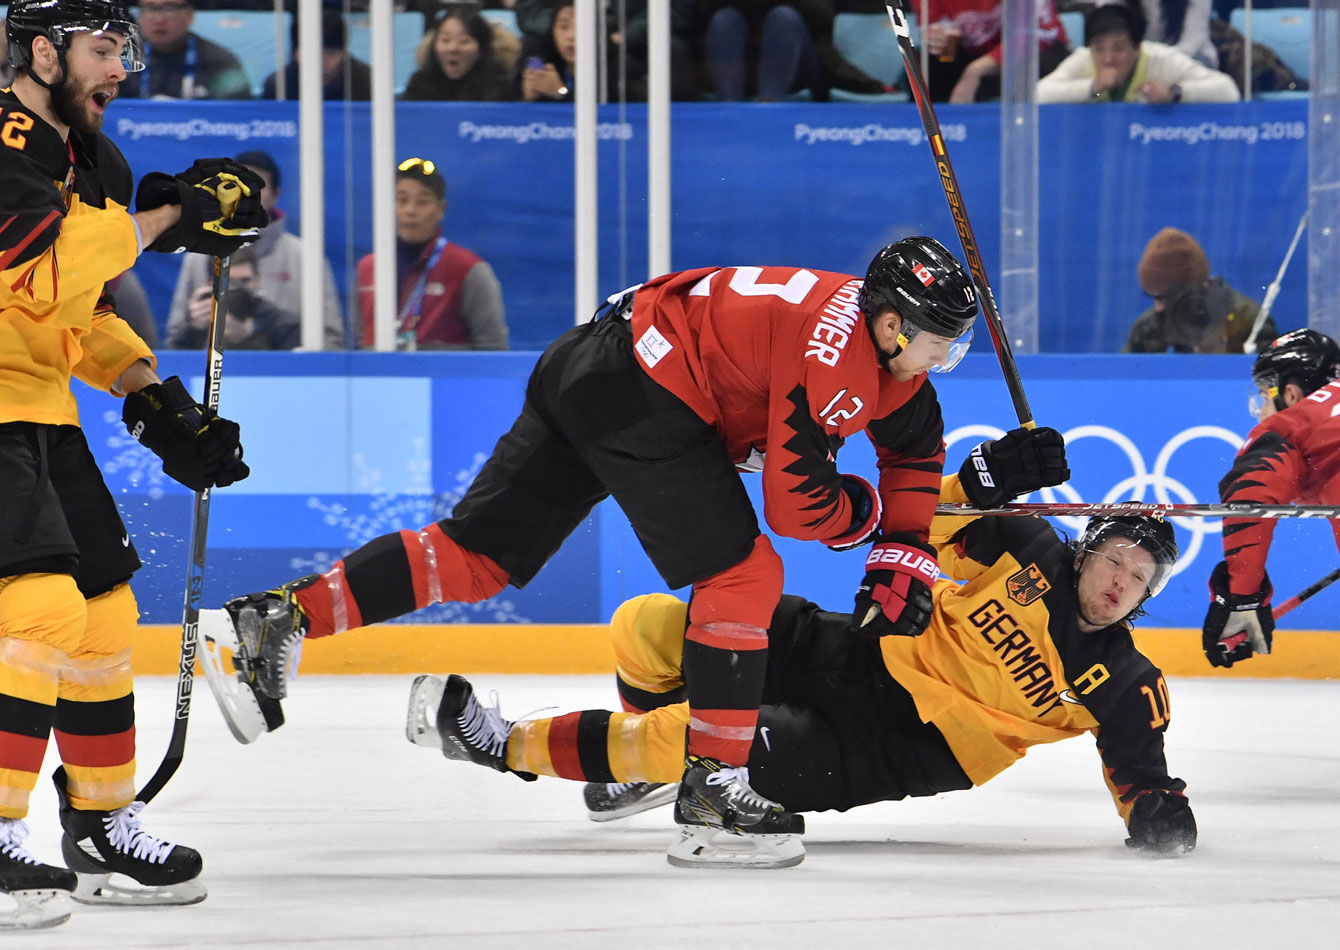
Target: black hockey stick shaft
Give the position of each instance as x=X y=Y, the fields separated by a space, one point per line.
x=195 y=574
x=949 y=182
x=1082 y=509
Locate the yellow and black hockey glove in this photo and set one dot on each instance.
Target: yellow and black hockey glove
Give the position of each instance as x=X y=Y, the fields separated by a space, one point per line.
x=220 y=204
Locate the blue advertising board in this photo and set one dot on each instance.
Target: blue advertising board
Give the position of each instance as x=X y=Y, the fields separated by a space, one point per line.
x=820 y=185
x=347 y=447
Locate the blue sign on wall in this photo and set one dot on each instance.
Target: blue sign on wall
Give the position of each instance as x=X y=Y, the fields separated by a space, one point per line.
x=821 y=185
x=347 y=447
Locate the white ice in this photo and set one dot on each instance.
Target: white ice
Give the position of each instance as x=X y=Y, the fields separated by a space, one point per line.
x=336 y=832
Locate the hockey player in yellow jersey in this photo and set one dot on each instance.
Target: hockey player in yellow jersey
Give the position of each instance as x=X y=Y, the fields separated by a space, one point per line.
x=1033 y=646
x=66 y=610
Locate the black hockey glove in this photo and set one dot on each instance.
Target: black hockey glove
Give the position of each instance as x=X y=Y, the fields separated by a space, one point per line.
x=1236 y=625
x=895 y=597
x=866 y=511
x=207 y=225
x=199 y=448
x=1161 y=823
x=1020 y=461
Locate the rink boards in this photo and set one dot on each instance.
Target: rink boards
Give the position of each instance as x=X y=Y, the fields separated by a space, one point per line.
x=344 y=448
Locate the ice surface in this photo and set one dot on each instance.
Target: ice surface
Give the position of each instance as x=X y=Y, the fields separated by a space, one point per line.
x=336 y=832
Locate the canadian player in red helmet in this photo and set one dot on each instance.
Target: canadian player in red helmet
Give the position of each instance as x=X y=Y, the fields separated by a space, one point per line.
x=1291 y=457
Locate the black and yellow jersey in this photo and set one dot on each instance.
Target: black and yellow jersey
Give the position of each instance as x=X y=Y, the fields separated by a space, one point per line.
x=65 y=230
x=1004 y=665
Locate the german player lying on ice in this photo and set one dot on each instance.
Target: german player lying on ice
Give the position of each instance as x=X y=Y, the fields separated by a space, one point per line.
x=1034 y=646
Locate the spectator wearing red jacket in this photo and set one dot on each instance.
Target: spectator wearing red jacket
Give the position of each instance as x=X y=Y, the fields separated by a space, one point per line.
x=449 y=297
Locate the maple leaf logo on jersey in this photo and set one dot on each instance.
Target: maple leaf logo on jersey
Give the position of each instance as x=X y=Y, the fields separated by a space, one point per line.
x=923 y=275
x=1027 y=585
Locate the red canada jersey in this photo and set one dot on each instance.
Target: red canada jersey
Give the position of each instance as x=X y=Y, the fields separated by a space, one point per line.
x=779 y=361
x=1293 y=457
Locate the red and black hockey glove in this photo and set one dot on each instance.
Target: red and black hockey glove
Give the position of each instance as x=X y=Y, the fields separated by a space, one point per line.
x=866 y=511
x=200 y=190
x=895 y=597
x=1237 y=626
x=199 y=448
x=1161 y=823
x=1020 y=461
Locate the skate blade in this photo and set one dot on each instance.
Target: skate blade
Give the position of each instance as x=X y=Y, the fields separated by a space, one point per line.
x=237 y=701
x=699 y=847
x=425 y=696
x=653 y=799
x=122 y=890
x=37 y=908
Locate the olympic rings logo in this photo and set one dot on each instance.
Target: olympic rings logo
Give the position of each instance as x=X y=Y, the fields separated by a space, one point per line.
x=1166 y=489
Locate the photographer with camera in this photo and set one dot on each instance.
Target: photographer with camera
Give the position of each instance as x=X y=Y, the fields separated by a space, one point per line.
x=1192 y=312
x=253 y=322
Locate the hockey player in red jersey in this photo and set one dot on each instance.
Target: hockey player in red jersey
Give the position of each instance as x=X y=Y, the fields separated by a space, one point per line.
x=684 y=381
x=1291 y=457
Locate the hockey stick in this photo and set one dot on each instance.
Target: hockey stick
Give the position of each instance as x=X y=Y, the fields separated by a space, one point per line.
x=228 y=195
x=1249 y=346
x=1315 y=587
x=1235 y=641
x=954 y=196
x=1235 y=510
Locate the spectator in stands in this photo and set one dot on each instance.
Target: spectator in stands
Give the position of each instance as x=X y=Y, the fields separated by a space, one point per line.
x=457 y=61
x=132 y=306
x=1192 y=312
x=626 y=32
x=763 y=49
x=342 y=76
x=253 y=322
x=548 y=64
x=180 y=64
x=963 y=40
x=1184 y=24
x=1116 y=66
x=449 y=297
x=278 y=270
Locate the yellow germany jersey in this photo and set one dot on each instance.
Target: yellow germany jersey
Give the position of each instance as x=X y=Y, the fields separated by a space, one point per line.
x=64 y=232
x=1004 y=665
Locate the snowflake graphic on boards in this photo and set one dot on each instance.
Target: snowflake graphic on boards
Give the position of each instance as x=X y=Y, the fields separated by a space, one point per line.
x=408 y=510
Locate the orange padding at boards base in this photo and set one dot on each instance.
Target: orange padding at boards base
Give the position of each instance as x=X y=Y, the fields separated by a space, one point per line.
x=584 y=648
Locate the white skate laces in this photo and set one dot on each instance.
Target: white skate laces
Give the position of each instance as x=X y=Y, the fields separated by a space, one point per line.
x=484 y=726
x=742 y=792
x=12 y=833
x=124 y=832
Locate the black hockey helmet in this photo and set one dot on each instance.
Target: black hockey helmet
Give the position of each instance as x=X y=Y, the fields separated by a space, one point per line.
x=1305 y=357
x=1155 y=535
x=57 y=20
x=925 y=284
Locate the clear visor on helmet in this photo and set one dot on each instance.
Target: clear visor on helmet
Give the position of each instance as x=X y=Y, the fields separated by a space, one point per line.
x=132 y=53
x=946 y=352
x=1133 y=560
x=1259 y=395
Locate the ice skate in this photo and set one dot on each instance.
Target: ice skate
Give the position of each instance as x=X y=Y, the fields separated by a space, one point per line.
x=718 y=796
x=774 y=842
x=446 y=715
x=606 y=801
x=264 y=631
x=726 y=824
x=40 y=892
x=117 y=862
